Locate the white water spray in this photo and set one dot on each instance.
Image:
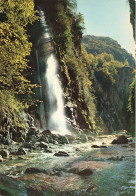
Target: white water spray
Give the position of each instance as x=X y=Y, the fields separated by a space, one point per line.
x=55 y=115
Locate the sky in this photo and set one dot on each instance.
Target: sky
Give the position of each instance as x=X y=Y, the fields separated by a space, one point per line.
x=108 y=18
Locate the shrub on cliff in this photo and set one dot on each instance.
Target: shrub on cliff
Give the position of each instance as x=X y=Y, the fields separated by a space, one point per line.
x=11 y=108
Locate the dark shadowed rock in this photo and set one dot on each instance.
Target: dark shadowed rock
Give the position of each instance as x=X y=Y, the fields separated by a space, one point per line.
x=32 y=170
x=120 y=140
x=4 y=153
x=61 y=154
x=20 y=151
x=85 y=172
x=96 y=146
x=46 y=132
x=44 y=139
x=16 y=135
x=48 y=151
x=28 y=145
x=43 y=145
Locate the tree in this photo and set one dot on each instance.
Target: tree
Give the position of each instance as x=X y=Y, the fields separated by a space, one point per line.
x=14 y=44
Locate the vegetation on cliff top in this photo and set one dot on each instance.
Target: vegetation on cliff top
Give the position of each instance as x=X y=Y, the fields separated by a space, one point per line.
x=99 y=44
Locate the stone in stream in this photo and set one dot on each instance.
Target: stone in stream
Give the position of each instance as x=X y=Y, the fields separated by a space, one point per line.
x=48 y=151
x=120 y=140
x=85 y=172
x=4 y=153
x=32 y=170
x=43 y=145
x=61 y=154
x=96 y=146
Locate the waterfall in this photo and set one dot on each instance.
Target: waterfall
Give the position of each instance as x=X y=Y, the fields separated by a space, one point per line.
x=51 y=86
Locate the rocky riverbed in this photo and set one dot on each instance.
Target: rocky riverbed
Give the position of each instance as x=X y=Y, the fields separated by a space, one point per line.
x=82 y=165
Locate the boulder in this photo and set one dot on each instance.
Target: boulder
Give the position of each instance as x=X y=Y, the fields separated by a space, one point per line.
x=28 y=145
x=4 y=153
x=62 y=140
x=61 y=154
x=44 y=139
x=96 y=146
x=20 y=151
x=120 y=140
x=46 y=132
x=43 y=145
x=48 y=151
x=32 y=170
x=85 y=172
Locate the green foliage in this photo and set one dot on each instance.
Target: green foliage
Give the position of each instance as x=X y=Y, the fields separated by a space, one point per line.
x=14 y=45
x=104 y=67
x=98 y=44
x=131 y=105
x=12 y=108
x=18 y=12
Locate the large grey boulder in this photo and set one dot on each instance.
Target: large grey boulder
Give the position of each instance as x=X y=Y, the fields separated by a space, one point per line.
x=120 y=140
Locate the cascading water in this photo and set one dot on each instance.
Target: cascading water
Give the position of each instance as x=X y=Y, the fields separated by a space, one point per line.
x=51 y=87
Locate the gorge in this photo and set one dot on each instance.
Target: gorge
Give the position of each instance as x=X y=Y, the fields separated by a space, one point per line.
x=66 y=105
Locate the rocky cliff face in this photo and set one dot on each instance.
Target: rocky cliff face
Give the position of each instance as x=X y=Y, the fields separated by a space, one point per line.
x=112 y=102
x=132 y=15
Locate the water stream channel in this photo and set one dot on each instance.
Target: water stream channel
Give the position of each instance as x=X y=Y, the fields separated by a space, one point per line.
x=41 y=173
